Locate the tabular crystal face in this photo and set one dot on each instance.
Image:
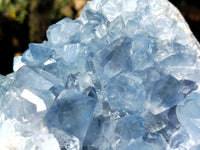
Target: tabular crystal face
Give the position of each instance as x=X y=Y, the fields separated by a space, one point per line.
x=123 y=76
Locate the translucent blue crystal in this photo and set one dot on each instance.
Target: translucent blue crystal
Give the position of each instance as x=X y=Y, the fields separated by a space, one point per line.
x=36 y=54
x=167 y=92
x=72 y=113
x=188 y=114
x=123 y=76
x=36 y=82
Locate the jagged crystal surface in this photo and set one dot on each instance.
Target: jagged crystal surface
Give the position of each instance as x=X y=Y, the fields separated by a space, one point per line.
x=123 y=76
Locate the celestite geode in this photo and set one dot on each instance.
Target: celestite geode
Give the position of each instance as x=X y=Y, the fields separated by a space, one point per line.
x=123 y=76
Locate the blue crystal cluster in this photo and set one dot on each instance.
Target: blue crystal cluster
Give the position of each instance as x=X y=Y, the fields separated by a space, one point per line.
x=123 y=76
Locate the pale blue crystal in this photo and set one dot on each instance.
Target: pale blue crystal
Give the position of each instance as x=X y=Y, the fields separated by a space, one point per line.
x=111 y=9
x=62 y=32
x=56 y=67
x=48 y=76
x=115 y=29
x=195 y=147
x=36 y=54
x=69 y=52
x=130 y=127
x=22 y=110
x=36 y=82
x=188 y=114
x=179 y=138
x=125 y=92
x=167 y=92
x=123 y=76
x=72 y=113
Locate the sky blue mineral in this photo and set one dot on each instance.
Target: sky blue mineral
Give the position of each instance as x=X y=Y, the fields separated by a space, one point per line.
x=36 y=82
x=36 y=54
x=72 y=113
x=123 y=76
x=168 y=92
x=188 y=114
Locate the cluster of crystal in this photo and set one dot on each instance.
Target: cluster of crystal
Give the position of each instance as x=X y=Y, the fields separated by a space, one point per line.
x=123 y=76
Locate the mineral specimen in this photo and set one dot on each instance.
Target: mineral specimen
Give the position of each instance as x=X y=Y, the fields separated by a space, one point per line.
x=123 y=76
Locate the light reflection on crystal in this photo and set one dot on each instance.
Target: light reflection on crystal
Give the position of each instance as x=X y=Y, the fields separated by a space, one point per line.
x=40 y=105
